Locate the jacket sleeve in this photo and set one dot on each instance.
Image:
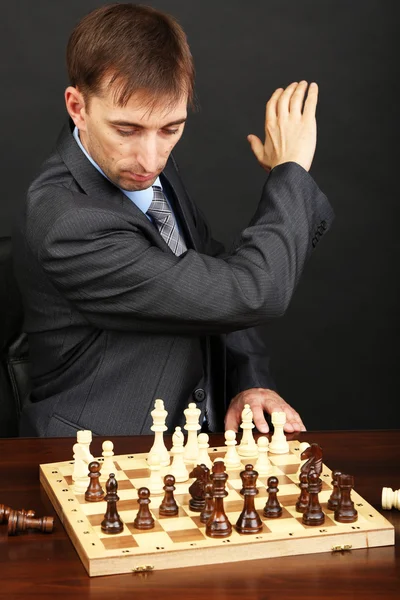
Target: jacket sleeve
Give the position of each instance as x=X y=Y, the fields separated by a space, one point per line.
x=118 y=279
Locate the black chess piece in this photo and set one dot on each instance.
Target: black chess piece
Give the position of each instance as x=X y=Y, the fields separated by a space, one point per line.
x=144 y=519
x=249 y=520
x=334 y=499
x=345 y=512
x=313 y=514
x=112 y=522
x=168 y=506
x=196 y=490
x=209 y=502
x=95 y=492
x=218 y=525
x=272 y=508
x=302 y=501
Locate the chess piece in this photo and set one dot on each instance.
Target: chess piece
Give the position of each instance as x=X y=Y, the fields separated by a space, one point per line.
x=208 y=502
x=232 y=458
x=94 y=492
x=159 y=415
x=272 y=508
x=196 y=490
x=112 y=522
x=155 y=484
x=203 y=445
x=6 y=510
x=312 y=458
x=334 y=499
x=144 y=519
x=279 y=444
x=302 y=501
x=83 y=439
x=303 y=446
x=18 y=521
x=218 y=525
x=263 y=464
x=192 y=426
x=168 y=506
x=313 y=514
x=390 y=499
x=247 y=447
x=345 y=512
x=249 y=520
x=80 y=476
x=178 y=468
x=107 y=466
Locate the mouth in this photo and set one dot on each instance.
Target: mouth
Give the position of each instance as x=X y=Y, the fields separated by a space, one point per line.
x=140 y=177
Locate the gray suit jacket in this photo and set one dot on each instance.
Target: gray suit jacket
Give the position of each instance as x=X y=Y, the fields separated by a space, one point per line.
x=116 y=320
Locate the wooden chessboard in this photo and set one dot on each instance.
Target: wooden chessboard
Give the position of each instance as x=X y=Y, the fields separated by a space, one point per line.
x=181 y=541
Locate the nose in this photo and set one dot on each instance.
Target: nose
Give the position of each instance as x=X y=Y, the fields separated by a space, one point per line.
x=147 y=157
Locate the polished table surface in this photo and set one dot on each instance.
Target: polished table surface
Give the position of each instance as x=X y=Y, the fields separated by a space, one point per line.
x=34 y=565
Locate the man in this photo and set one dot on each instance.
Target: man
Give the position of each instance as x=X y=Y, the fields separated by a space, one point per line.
x=127 y=297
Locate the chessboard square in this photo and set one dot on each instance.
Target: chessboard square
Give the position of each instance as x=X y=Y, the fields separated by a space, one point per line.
x=126 y=494
x=156 y=529
x=182 y=499
x=128 y=504
x=282 y=479
x=114 y=543
x=93 y=508
x=117 y=467
x=186 y=535
x=95 y=520
x=233 y=506
x=289 y=489
x=153 y=540
x=182 y=488
x=68 y=479
x=235 y=484
x=284 y=459
x=284 y=526
x=137 y=474
x=289 y=500
x=290 y=469
x=128 y=464
x=177 y=523
x=124 y=484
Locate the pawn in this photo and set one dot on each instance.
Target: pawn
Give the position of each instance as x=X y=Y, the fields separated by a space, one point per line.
x=168 y=506
x=390 y=499
x=144 y=519
x=94 y=492
x=112 y=522
x=345 y=512
x=334 y=499
x=18 y=521
x=178 y=468
x=107 y=466
x=232 y=458
x=209 y=502
x=263 y=464
x=155 y=481
x=203 y=456
x=302 y=501
x=6 y=510
x=272 y=508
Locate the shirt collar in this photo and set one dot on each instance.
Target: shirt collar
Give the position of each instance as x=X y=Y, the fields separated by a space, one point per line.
x=142 y=198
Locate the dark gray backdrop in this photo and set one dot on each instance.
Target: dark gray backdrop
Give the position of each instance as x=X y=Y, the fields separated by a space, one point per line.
x=335 y=352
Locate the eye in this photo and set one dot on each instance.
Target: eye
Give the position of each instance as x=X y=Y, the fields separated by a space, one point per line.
x=125 y=133
x=170 y=131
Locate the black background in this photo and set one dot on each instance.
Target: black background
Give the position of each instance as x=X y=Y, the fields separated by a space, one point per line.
x=335 y=352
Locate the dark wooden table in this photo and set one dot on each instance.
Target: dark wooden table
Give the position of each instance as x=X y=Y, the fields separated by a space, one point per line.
x=47 y=566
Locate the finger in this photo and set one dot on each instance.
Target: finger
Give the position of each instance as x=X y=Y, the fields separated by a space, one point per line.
x=232 y=419
x=284 y=99
x=256 y=146
x=310 y=104
x=297 y=99
x=259 y=419
x=271 y=111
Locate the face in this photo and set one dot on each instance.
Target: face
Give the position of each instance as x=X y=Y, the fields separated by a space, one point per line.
x=131 y=144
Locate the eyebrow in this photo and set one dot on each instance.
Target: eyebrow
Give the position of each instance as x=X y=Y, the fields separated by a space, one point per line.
x=139 y=126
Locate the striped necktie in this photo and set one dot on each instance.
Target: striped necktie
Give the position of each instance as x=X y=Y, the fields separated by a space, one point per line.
x=165 y=221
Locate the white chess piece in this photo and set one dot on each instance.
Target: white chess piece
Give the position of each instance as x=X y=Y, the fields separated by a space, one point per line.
x=178 y=468
x=80 y=473
x=263 y=464
x=107 y=466
x=203 y=457
x=247 y=447
x=192 y=426
x=279 y=444
x=159 y=415
x=84 y=439
x=156 y=484
x=232 y=458
x=390 y=498
x=302 y=447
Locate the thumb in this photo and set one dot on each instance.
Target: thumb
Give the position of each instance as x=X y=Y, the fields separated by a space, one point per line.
x=256 y=146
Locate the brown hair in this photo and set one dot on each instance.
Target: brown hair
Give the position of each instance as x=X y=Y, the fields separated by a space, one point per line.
x=140 y=49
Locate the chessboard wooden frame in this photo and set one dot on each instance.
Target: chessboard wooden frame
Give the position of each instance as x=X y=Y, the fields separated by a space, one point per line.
x=288 y=537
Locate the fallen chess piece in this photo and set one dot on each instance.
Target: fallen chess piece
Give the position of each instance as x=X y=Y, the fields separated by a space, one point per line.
x=18 y=521
x=390 y=499
x=6 y=510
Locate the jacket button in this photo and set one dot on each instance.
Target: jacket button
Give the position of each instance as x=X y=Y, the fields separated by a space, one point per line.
x=199 y=395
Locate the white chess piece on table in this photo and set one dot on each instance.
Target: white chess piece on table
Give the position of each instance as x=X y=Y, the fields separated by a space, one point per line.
x=159 y=415
x=107 y=466
x=247 y=447
x=232 y=458
x=178 y=468
x=279 y=444
x=263 y=464
x=80 y=473
x=156 y=484
x=302 y=447
x=203 y=457
x=84 y=439
x=192 y=426
x=390 y=498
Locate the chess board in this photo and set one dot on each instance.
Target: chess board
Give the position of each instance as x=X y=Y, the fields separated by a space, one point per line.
x=180 y=541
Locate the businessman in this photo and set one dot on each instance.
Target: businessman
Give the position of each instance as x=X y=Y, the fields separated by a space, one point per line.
x=127 y=296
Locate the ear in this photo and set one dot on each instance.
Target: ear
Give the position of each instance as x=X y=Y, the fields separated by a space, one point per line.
x=75 y=104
